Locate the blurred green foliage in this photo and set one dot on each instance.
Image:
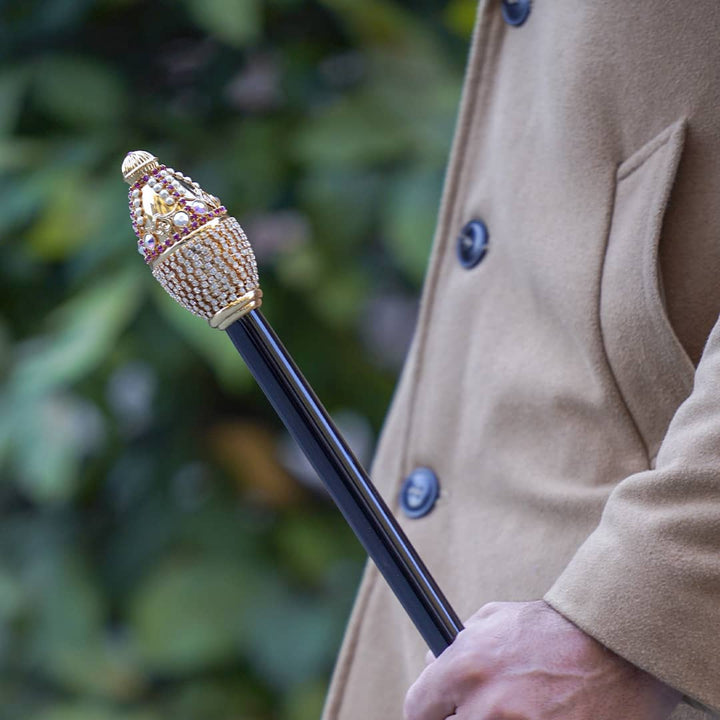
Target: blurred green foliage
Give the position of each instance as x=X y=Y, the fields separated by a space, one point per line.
x=164 y=551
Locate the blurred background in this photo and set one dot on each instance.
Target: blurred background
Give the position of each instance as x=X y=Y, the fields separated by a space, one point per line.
x=164 y=550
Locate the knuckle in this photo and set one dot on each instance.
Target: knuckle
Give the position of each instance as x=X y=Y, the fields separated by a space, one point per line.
x=468 y=668
x=486 y=611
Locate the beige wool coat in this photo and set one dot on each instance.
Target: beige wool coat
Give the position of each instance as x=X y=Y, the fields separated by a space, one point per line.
x=566 y=390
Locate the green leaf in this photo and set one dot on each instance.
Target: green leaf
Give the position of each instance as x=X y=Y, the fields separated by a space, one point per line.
x=354 y=132
x=66 y=222
x=49 y=438
x=42 y=428
x=190 y=615
x=236 y=22
x=12 y=87
x=305 y=702
x=12 y=596
x=377 y=21
x=460 y=16
x=410 y=217
x=340 y=301
x=69 y=641
x=79 y=91
x=309 y=545
x=299 y=647
x=41 y=187
x=85 y=330
x=341 y=205
x=228 y=699
x=301 y=268
x=23 y=198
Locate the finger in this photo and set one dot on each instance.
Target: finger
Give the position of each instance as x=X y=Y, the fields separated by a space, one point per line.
x=429 y=658
x=428 y=699
x=435 y=695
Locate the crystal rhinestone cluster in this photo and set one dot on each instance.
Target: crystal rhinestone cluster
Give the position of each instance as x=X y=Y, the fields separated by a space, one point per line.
x=165 y=206
x=213 y=270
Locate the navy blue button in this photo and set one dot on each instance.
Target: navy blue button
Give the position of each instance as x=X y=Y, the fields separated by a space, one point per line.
x=515 y=12
x=472 y=243
x=419 y=492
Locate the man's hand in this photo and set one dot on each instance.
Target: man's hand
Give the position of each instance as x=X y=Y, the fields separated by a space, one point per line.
x=524 y=661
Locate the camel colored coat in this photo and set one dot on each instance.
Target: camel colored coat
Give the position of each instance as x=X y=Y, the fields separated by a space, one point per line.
x=566 y=390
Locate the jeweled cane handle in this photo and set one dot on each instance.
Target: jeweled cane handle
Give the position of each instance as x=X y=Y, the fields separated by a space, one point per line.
x=197 y=252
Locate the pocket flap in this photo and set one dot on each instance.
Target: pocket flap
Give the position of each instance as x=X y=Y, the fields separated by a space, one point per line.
x=653 y=372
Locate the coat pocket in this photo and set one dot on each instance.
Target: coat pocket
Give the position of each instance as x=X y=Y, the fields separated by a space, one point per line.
x=652 y=370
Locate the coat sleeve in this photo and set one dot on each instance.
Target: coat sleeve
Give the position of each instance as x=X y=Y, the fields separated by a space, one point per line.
x=646 y=583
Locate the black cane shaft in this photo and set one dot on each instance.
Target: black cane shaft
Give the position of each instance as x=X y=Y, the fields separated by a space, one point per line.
x=347 y=482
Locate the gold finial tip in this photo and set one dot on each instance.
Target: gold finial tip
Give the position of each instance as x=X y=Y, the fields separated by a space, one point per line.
x=136 y=164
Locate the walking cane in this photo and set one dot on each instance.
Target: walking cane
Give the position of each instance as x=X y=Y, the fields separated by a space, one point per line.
x=202 y=258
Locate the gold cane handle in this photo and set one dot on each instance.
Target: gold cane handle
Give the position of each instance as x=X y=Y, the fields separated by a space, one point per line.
x=197 y=252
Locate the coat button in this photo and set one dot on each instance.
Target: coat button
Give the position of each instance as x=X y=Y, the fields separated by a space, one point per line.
x=515 y=12
x=472 y=243
x=419 y=492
